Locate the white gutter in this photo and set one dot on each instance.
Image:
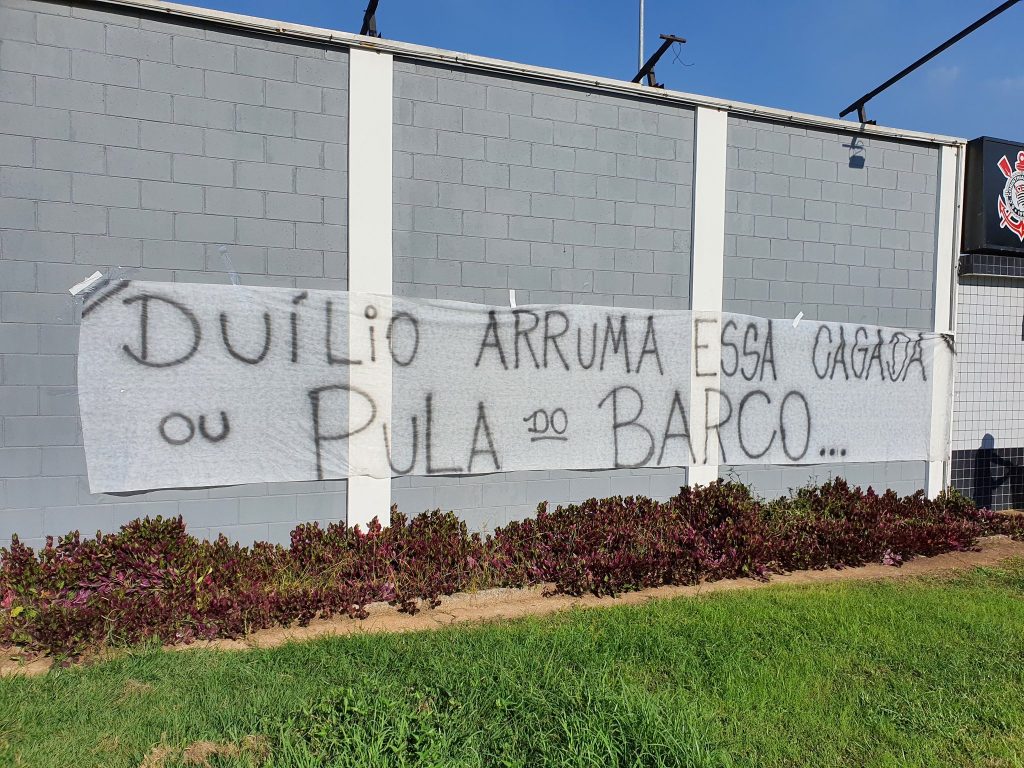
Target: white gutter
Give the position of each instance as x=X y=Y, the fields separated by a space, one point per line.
x=482 y=63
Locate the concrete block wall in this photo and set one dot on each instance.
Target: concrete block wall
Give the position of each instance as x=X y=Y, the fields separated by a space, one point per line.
x=175 y=152
x=839 y=232
x=565 y=196
x=185 y=150
x=840 y=228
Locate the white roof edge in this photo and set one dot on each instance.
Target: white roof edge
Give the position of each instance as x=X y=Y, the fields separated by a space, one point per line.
x=482 y=63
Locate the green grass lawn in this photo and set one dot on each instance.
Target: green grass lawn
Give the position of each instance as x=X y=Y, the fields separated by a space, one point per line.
x=924 y=672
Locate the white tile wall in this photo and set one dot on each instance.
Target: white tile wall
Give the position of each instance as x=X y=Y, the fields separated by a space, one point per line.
x=989 y=394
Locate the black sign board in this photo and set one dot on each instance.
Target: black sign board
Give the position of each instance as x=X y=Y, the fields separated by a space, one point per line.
x=994 y=197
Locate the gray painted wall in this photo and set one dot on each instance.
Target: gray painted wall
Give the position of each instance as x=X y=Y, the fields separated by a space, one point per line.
x=148 y=144
x=151 y=144
x=837 y=229
x=565 y=196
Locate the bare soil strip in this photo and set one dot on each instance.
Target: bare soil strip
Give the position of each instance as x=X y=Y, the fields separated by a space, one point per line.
x=503 y=604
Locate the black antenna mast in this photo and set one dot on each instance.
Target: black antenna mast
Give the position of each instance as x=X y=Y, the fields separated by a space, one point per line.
x=859 y=103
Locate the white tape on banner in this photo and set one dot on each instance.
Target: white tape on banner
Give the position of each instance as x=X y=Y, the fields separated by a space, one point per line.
x=187 y=385
x=86 y=284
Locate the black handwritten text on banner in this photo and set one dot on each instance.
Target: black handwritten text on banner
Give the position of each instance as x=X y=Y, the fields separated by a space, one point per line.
x=195 y=385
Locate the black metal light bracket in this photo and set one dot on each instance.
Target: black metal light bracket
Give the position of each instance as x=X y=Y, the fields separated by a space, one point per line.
x=858 y=105
x=647 y=70
x=369 y=27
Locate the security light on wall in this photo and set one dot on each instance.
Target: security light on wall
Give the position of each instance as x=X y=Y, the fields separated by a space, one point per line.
x=857 y=156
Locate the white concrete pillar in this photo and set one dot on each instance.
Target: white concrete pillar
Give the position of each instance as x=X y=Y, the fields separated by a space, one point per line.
x=370 y=105
x=947 y=248
x=706 y=275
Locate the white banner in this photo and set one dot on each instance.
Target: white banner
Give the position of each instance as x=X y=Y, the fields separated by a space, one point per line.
x=184 y=385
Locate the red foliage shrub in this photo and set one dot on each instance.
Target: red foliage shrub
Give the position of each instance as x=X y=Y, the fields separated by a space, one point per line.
x=833 y=525
x=1011 y=525
x=153 y=580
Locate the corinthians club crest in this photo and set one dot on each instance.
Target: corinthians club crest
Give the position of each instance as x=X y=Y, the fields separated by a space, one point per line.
x=1011 y=201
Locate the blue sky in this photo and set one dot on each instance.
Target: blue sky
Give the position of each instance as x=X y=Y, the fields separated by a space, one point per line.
x=807 y=56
